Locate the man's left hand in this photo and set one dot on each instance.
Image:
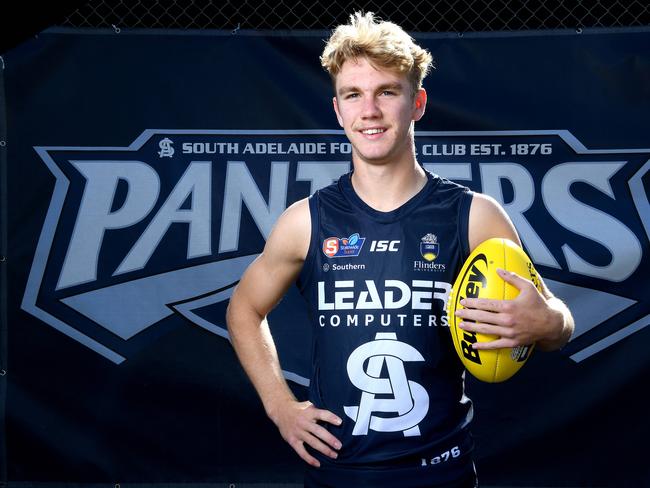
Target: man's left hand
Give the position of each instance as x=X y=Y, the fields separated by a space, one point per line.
x=524 y=320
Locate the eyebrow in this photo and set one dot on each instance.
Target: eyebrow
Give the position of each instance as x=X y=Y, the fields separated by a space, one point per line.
x=386 y=86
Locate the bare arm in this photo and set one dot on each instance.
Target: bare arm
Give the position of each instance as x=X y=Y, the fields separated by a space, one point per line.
x=535 y=317
x=261 y=287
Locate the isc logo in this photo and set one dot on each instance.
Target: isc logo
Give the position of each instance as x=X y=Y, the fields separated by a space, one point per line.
x=383 y=246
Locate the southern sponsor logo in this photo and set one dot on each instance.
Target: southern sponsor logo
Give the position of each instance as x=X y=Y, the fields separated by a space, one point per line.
x=343 y=247
x=343 y=267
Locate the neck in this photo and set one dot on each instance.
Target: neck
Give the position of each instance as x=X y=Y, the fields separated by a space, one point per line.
x=388 y=186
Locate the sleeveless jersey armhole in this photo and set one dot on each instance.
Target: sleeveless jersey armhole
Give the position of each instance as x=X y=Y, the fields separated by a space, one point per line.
x=308 y=265
x=463 y=222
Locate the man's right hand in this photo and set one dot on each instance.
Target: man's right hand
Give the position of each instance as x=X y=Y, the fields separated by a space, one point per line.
x=298 y=424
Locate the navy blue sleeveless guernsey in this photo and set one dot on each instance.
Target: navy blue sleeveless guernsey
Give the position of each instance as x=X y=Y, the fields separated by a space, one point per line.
x=376 y=284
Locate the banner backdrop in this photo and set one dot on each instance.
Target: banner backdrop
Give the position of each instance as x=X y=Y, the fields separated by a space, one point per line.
x=143 y=171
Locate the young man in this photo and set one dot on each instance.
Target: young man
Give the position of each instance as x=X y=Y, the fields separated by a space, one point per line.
x=386 y=404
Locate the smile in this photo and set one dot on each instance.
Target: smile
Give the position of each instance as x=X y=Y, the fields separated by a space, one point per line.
x=373 y=131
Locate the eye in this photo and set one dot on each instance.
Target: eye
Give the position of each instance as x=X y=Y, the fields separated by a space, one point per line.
x=389 y=93
x=351 y=95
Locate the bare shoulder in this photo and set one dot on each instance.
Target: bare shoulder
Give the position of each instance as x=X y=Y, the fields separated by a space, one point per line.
x=292 y=232
x=488 y=219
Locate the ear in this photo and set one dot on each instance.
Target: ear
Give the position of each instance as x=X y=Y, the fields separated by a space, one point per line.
x=419 y=104
x=336 y=110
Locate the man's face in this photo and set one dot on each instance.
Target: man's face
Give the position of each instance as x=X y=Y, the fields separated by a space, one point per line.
x=376 y=108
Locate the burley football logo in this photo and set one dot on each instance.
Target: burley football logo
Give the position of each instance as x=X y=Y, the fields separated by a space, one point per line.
x=167 y=233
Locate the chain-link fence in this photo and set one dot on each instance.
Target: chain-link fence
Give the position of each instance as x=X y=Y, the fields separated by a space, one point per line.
x=413 y=15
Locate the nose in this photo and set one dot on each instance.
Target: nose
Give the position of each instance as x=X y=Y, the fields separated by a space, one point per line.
x=370 y=109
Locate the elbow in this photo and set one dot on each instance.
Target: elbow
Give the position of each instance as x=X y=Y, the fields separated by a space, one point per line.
x=241 y=316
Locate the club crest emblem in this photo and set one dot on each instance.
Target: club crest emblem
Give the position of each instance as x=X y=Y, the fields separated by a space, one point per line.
x=429 y=247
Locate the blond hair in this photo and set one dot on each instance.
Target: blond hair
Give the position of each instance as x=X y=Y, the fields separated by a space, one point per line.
x=384 y=44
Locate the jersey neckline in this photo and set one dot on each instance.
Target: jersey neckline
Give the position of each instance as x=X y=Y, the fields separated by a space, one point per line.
x=345 y=184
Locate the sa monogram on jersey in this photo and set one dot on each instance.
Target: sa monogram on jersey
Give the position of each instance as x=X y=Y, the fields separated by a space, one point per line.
x=410 y=401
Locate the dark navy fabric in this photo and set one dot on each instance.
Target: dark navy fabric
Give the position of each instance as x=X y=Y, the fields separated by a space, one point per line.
x=395 y=478
x=376 y=284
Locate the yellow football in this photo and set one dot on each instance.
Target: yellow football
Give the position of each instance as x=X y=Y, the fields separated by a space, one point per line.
x=478 y=278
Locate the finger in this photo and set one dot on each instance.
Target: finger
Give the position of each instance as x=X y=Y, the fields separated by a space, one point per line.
x=495 y=344
x=325 y=436
x=299 y=447
x=476 y=315
x=513 y=278
x=487 y=304
x=327 y=416
x=487 y=329
x=320 y=446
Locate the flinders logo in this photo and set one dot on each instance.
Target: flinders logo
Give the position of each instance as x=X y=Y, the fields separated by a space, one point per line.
x=429 y=247
x=429 y=250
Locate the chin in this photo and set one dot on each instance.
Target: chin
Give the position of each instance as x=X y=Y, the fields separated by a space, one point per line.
x=374 y=156
x=375 y=160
